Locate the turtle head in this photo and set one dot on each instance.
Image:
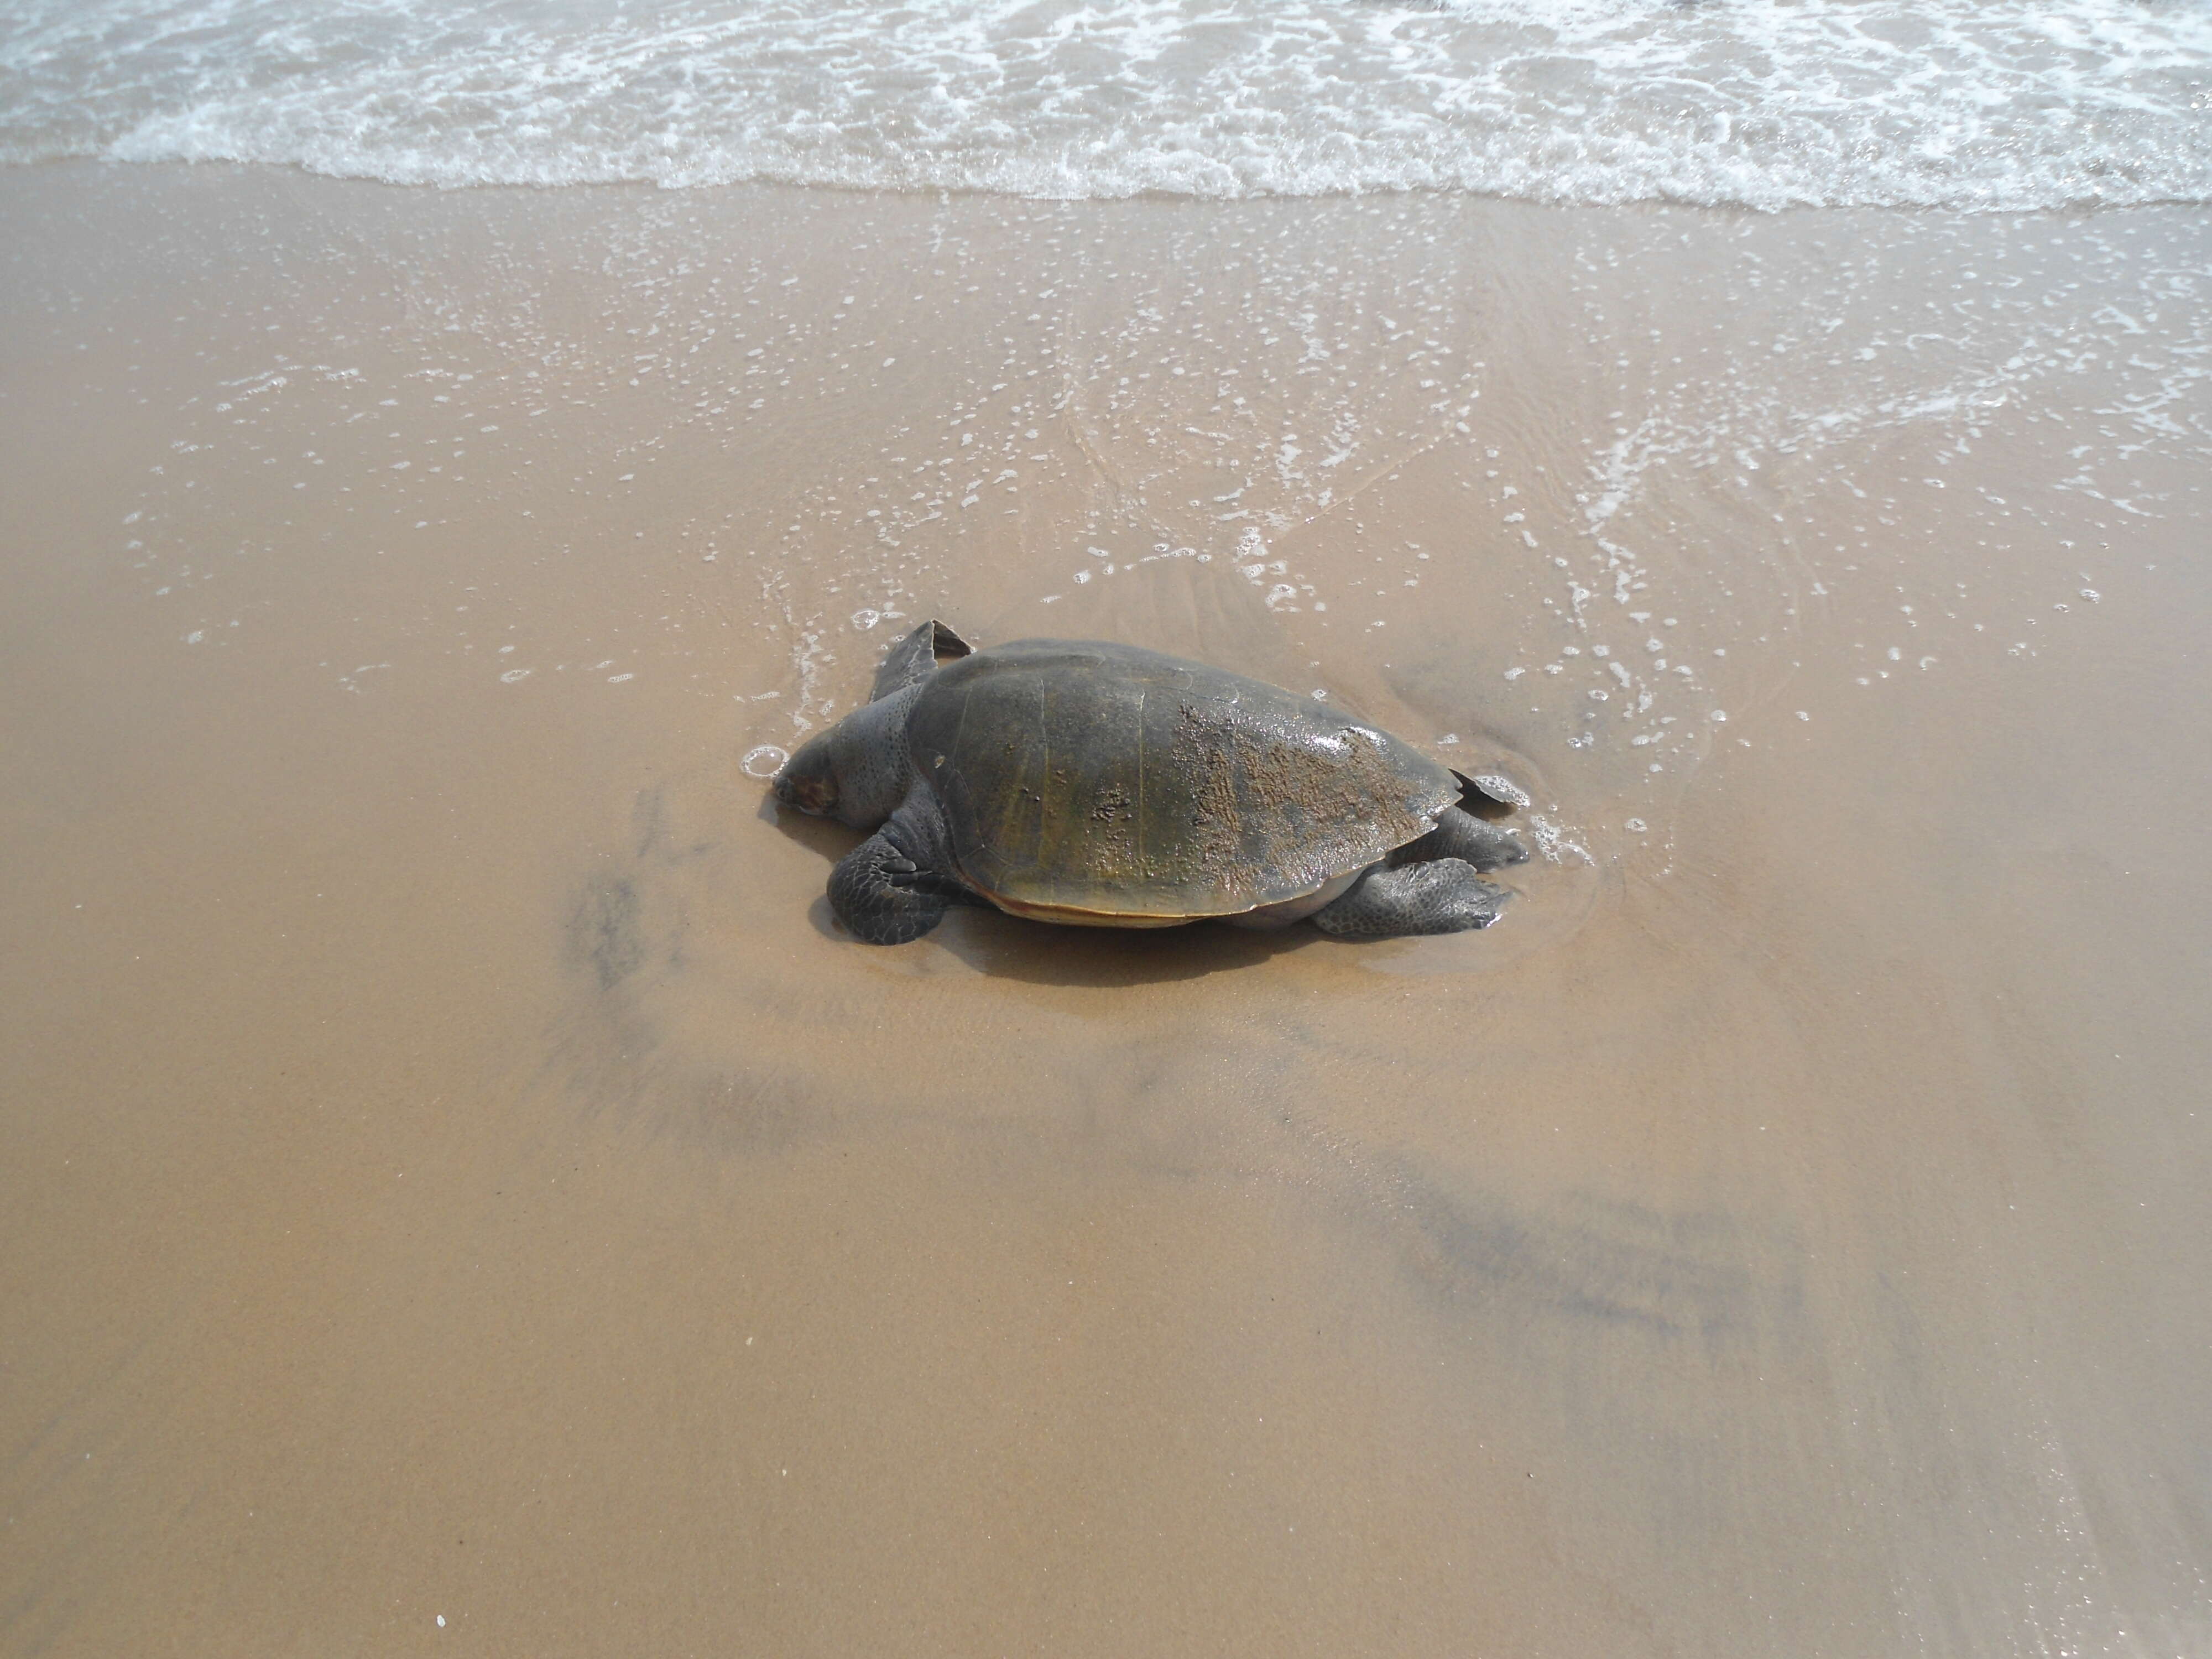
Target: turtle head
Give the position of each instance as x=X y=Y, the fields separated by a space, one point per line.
x=809 y=778
x=857 y=771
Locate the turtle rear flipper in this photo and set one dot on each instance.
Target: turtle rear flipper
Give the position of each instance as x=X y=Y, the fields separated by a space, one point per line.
x=1442 y=896
x=1488 y=795
x=1462 y=835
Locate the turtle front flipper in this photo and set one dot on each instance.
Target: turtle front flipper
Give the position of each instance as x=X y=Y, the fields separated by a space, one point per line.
x=917 y=657
x=1440 y=896
x=887 y=889
x=883 y=896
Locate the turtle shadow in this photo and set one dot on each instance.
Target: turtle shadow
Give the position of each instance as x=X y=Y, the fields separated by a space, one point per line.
x=1040 y=953
x=824 y=836
x=1008 y=947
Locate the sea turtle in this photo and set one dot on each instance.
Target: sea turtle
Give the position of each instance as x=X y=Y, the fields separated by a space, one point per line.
x=1111 y=786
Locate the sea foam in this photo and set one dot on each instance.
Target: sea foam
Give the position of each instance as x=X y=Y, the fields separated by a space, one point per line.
x=1973 y=104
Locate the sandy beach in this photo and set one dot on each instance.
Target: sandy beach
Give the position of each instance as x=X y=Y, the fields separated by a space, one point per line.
x=464 y=1193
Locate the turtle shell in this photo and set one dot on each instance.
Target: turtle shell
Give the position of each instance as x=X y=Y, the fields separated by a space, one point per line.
x=1093 y=781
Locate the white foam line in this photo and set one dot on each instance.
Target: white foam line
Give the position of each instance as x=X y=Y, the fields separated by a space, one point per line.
x=1973 y=104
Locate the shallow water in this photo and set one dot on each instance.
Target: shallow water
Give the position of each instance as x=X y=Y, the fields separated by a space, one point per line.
x=459 y=1172
x=1968 y=104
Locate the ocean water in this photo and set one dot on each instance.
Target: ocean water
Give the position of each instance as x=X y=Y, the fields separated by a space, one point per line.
x=1995 y=105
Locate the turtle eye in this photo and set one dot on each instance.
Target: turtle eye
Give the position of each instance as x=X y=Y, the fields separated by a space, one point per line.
x=809 y=778
x=812 y=793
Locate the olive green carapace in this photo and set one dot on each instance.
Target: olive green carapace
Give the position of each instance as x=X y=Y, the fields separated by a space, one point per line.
x=1107 y=779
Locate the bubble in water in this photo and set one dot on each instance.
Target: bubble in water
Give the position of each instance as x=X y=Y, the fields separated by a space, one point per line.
x=764 y=761
x=864 y=620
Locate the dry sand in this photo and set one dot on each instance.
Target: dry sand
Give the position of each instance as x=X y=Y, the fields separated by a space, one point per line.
x=462 y=1195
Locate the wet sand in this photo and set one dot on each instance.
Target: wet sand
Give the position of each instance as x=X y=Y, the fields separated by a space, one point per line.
x=458 y=1172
